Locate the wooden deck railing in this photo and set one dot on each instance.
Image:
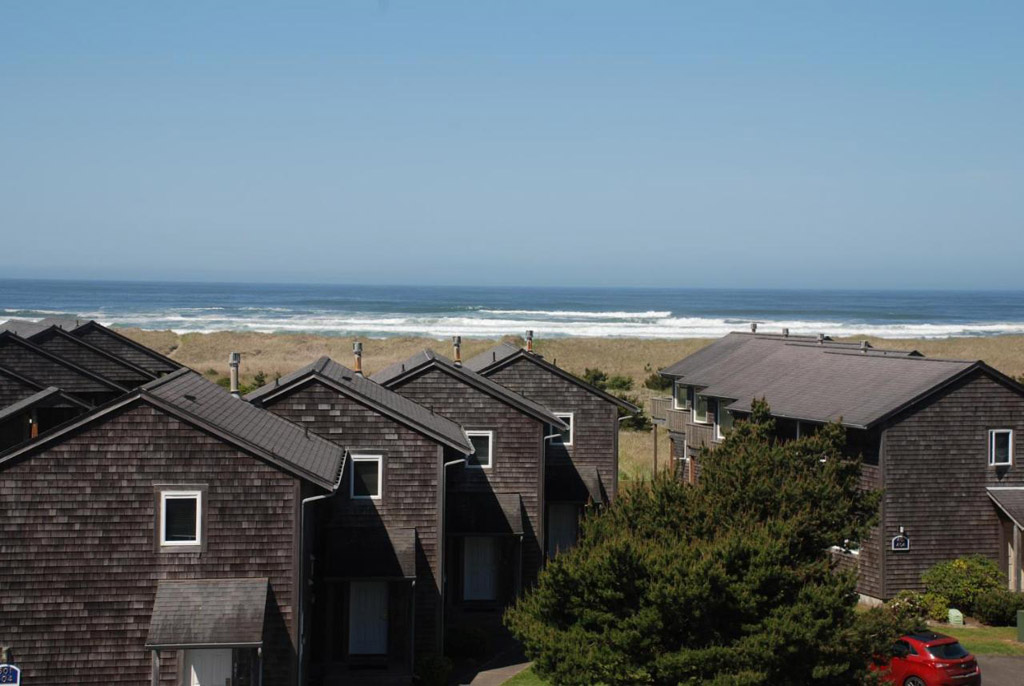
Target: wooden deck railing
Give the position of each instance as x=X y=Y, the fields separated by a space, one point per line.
x=677 y=420
x=659 y=408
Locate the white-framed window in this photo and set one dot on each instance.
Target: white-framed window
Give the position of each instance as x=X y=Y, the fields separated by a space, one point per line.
x=723 y=419
x=367 y=482
x=483 y=449
x=700 y=409
x=567 y=434
x=1000 y=447
x=181 y=518
x=681 y=399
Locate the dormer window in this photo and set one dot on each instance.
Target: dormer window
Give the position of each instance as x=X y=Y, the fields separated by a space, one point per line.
x=1000 y=447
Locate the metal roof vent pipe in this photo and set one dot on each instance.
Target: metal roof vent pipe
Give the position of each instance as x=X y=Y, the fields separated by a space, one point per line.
x=457 y=345
x=821 y=339
x=234 y=360
x=785 y=333
x=753 y=327
x=529 y=341
x=357 y=350
x=864 y=345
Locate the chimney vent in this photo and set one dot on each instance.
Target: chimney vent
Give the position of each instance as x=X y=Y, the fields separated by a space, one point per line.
x=357 y=350
x=864 y=347
x=529 y=341
x=234 y=360
x=753 y=327
x=821 y=339
x=785 y=333
x=457 y=345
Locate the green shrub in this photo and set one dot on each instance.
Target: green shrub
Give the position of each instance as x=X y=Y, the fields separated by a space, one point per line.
x=962 y=579
x=998 y=607
x=657 y=382
x=595 y=377
x=618 y=382
x=911 y=609
x=433 y=670
x=634 y=422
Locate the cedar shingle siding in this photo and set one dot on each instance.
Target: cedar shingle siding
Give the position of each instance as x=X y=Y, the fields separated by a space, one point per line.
x=595 y=440
x=518 y=451
x=77 y=543
x=410 y=486
x=935 y=463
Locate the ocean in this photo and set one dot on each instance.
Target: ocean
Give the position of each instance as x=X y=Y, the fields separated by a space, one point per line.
x=471 y=311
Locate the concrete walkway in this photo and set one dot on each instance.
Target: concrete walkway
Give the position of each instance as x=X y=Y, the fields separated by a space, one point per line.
x=497 y=670
x=498 y=675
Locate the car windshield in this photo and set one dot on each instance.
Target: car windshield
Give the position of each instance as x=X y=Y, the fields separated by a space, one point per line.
x=948 y=651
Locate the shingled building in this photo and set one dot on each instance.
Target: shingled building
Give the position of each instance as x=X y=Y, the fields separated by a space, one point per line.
x=939 y=436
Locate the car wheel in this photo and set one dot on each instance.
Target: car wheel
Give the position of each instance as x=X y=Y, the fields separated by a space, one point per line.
x=914 y=681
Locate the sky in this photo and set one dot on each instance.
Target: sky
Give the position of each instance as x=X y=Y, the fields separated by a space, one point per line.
x=670 y=144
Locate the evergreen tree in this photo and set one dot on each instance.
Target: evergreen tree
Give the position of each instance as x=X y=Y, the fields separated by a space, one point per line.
x=726 y=582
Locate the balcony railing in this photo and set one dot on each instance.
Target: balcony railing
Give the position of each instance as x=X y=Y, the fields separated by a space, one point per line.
x=677 y=420
x=660 y=408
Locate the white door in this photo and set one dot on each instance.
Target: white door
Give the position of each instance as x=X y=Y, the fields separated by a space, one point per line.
x=368 y=618
x=563 y=519
x=479 y=568
x=208 y=667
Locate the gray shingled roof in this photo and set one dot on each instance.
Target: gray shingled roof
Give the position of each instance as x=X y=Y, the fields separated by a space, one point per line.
x=47 y=396
x=277 y=439
x=497 y=357
x=1011 y=502
x=396 y=406
x=188 y=396
x=52 y=369
x=393 y=374
x=814 y=382
x=199 y=613
x=484 y=513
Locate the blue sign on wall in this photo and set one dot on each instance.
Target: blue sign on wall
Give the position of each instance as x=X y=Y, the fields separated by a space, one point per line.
x=11 y=675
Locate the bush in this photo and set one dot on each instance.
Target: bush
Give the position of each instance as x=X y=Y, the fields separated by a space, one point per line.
x=618 y=382
x=727 y=581
x=657 y=382
x=911 y=609
x=998 y=607
x=433 y=670
x=963 y=579
x=634 y=422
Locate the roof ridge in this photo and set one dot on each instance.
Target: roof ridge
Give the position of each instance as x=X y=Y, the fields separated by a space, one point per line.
x=9 y=335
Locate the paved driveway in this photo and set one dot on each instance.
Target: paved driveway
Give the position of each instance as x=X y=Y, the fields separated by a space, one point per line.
x=998 y=670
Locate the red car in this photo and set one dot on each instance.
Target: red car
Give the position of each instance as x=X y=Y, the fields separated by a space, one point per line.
x=930 y=659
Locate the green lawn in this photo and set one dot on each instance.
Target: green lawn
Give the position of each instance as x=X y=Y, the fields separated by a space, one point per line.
x=985 y=640
x=527 y=678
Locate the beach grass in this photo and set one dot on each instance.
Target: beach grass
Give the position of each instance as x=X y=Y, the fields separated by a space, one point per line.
x=278 y=354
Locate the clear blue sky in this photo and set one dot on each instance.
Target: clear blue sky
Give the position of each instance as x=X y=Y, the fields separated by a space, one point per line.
x=785 y=144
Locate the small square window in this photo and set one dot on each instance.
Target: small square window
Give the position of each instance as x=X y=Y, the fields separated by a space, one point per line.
x=181 y=518
x=566 y=434
x=1000 y=447
x=483 y=449
x=367 y=476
